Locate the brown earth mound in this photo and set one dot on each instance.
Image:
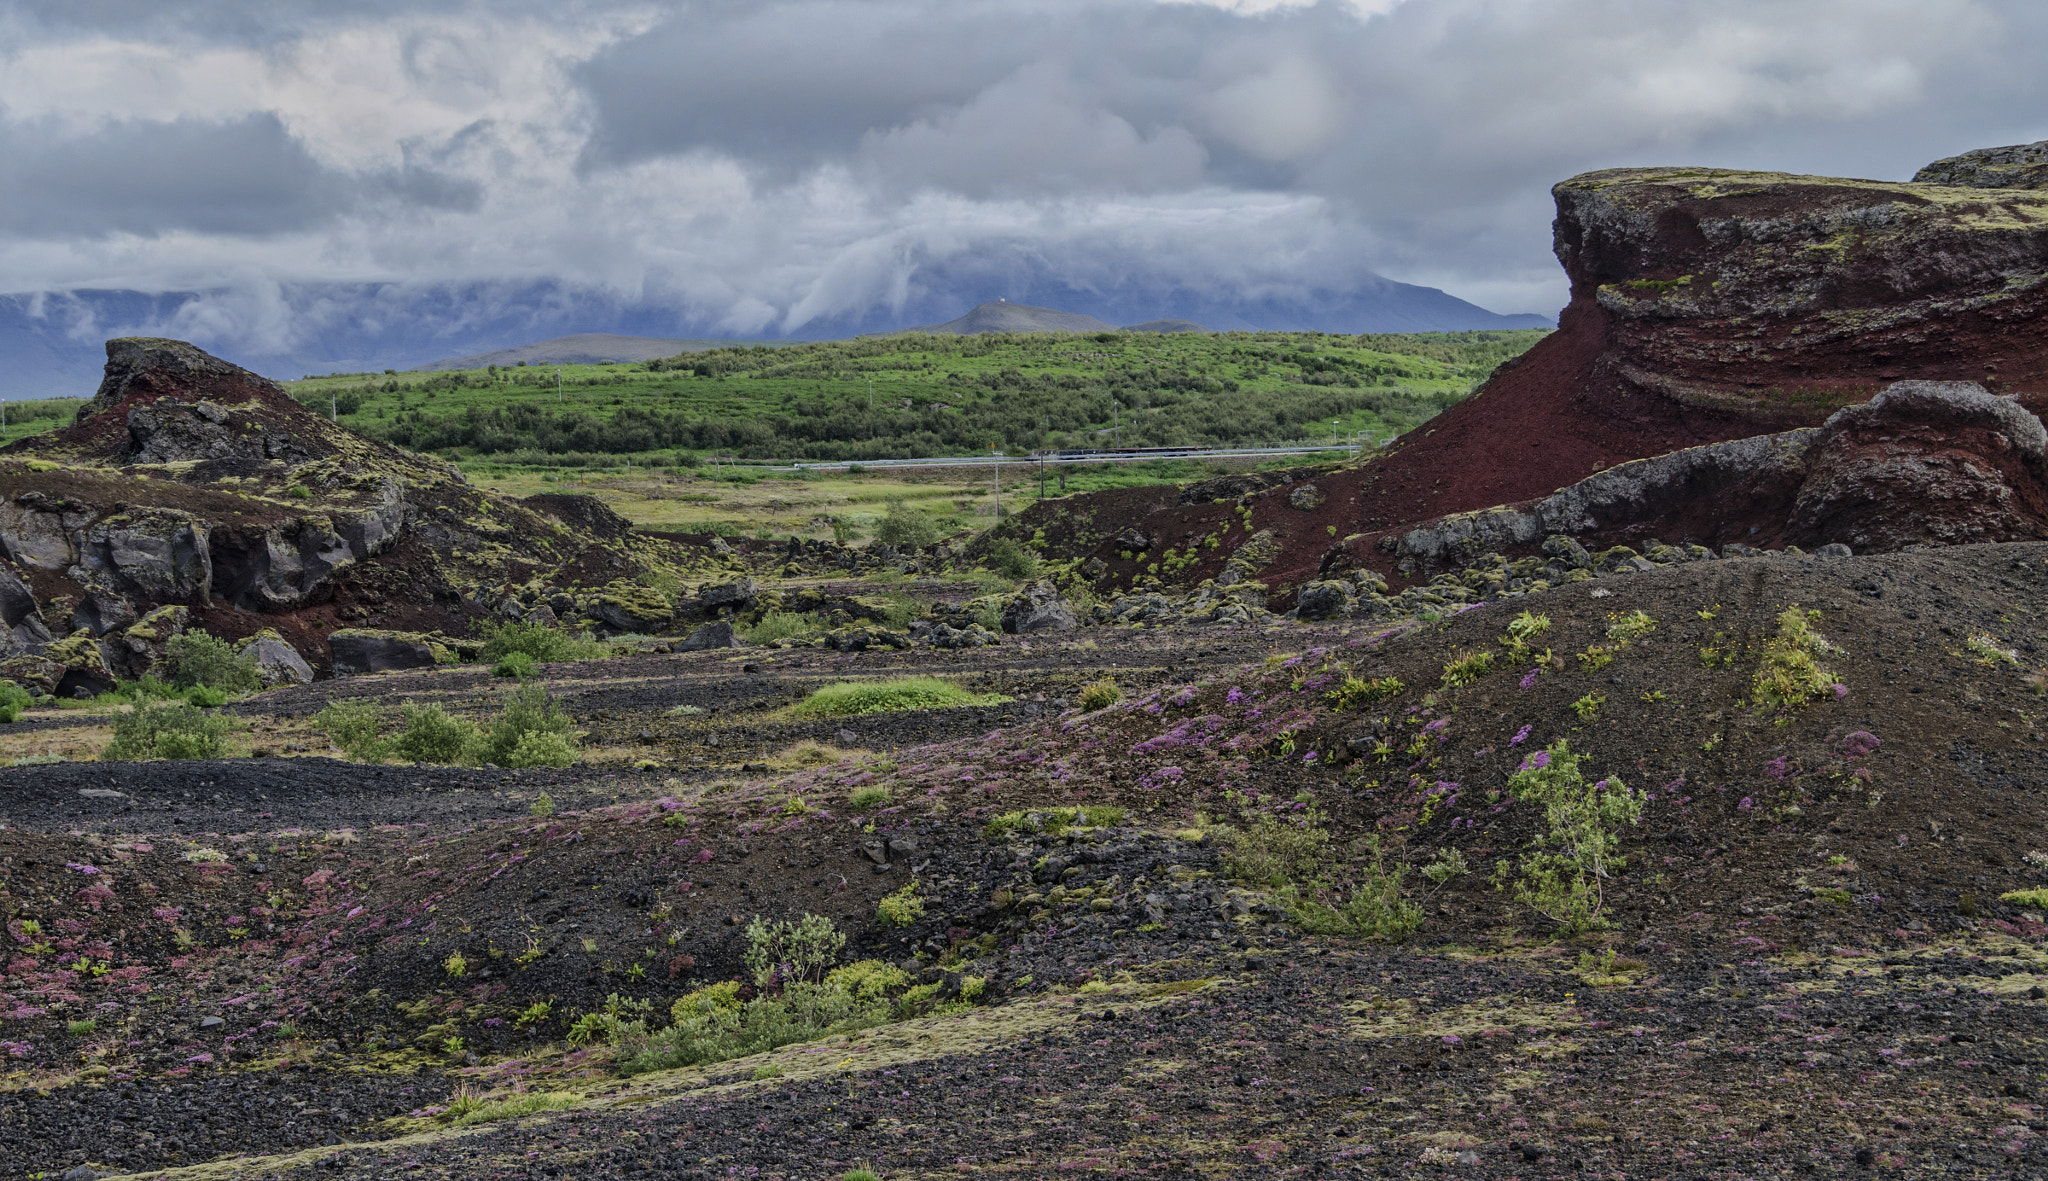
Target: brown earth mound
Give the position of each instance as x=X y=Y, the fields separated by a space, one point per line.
x=1707 y=306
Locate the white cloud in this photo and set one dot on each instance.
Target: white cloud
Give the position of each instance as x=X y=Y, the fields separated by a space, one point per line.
x=784 y=164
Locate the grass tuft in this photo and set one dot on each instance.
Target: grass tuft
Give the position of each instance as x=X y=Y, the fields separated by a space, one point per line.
x=854 y=698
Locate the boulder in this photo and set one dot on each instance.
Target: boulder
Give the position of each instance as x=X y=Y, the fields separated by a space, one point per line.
x=629 y=607
x=727 y=596
x=35 y=530
x=718 y=634
x=138 y=649
x=277 y=662
x=35 y=673
x=21 y=624
x=1038 y=606
x=356 y=651
x=1328 y=599
x=1306 y=497
x=155 y=555
x=102 y=611
x=85 y=669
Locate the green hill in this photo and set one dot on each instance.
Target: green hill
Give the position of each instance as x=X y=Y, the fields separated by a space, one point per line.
x=916 y=396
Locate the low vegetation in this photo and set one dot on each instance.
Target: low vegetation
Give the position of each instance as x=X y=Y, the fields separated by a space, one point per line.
x=853 y=698
x=531 y=730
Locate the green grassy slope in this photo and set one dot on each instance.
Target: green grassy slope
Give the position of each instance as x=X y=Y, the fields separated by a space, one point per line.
x=931 y=395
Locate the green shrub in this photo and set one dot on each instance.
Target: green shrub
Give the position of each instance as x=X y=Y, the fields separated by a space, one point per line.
x=1272 y=852
x=782 y=951
x=1011 y=560
x=1562 y=877
x=1354 y=693
x=513 y=1106
x=533 y=727
x=874 y=795
x=1054 y=821
x=2036 y=898
x=900 y=909
x=196 y=658
x=13 y=700
x=432 y=735
x=355 y=727
x=179 y=731
x=1376 y=908
x=513 y=664
x=1100 y=695
x=1789 y=674
x=1465 y=669
x=542 y=645
x=851 y=698
x=206 y=698
x=774 y=626
x=907 y=527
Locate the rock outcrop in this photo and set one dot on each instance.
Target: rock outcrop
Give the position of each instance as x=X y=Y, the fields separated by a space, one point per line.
x=2021 y=166
x=1038 y=606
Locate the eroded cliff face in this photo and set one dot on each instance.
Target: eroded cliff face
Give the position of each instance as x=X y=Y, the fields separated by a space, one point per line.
x=1782 y=298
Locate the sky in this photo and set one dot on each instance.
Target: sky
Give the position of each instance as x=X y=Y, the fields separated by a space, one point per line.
x=326 y=183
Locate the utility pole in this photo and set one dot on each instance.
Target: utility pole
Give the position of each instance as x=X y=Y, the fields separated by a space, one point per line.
x=333 y=407
x=1118 y=409
x=558 y=385
x=871 y=392
x=999 y=481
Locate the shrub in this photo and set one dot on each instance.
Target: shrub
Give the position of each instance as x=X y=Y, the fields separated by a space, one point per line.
x=1376 y=909
x=1463 y=670
x=780 y=951
x=1562 y=877
x=1100 y=695
x=543 y=805
x=179 y=731
x=514 y=664
x=432 y=735
x=1272 y=852
x=1012 y=560
x=2036 y=899
x=775 y=626
x=514 y=1105
x=196 y=658
x=1054 y=821
x=906 y=527
x=1790 y=675
x=900 y=909
x=13 y=700
x=1353 y=693
x=354 y=727
x=531 y=727
x=1627 y=629
x=873 y=795
x=543 y=645
x=850 y=698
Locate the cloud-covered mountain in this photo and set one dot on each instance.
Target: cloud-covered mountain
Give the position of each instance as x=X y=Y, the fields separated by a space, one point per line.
x=368 y=183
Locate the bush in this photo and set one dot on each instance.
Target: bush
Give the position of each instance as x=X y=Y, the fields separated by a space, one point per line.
x=783 y=625
x=13 y=700
x=513 y=664
x=196 y=658
x=180 y=731
x=1789 y=674
x=1561 y=880
x=900 y=909
x=531 y=731
x=873 y=795
x=1375 y=910
x=906 y=527
x=852 y=698
x=354 y=727
x=432 y=735
x=780 y=951
x=1011 y=560
x=1100 y=695
x=542 y=645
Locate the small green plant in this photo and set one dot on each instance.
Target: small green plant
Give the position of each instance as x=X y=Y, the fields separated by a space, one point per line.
x=1449 y=863
x=1717 y=652
x=1835 y=895
x=513 y=664
x=766 y=1072
x=1790 y=675
x=1100 y=694
x=513 y=1106
x=433 y=735
x=1595 y=658
x=1988 y=653
x=1376 y=909
x=901 y=908
x=455 y=965
x=81 y=1028
x=542 y=805
x=1353 y=693
x=452 y=1045
x=355 y=728
x=196 y=658
x=860 y=1175
x=1627 y=629
x=775 y=626
x=1588 y=707
x=1465 y=669
x=534 y=1014
x=1011 y=560
x=855 y=698
x=530 y=731
x=1606 y=969
x=907 y=527
x=14 y=700
x=1054 y=821
x=179 y=731
x=2036 y=899
x=874 y=795
x=539 y=643
x=1563 y=876
x=1522 y=630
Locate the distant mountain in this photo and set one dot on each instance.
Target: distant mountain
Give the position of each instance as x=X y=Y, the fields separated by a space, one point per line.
x=1165 y=326
x=1003 y=316
x=584 y=348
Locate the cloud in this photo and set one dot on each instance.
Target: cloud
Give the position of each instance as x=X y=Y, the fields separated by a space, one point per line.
x=292 y=175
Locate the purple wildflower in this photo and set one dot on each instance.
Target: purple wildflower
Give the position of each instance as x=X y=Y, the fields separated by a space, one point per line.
x=1521 y=736
x=1840 y=689
x=1746 y=804
x=1536 y=761
x=1236 y=696
x=1529 y=678
x=1860 y=744
x=1779 y=767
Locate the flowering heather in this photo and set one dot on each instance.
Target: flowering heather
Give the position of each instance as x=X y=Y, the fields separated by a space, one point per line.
x=1779 y=767
x=1535 y=761
x=1528 y=680
x=1236 y=696
x=1521 y=736
x=1860 y=744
